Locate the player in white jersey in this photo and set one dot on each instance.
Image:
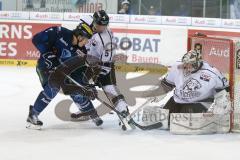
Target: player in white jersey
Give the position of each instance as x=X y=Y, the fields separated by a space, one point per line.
x=102 y=47
x=195 y=84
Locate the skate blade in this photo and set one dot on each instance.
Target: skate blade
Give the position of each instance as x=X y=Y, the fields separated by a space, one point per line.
x=33 y=127
x=127 y=125
x=130 y=124
x=98 y=124
x=84 y=118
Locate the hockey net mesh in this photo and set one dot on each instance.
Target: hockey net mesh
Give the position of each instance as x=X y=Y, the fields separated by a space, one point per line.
x=224 y=54
x=236 y=123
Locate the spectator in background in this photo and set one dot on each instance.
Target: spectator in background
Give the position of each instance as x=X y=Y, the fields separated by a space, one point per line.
x=153 y=11
x=0 y=5
x=43 y=4
x=79 y=2
x=124 y=7
x=235 y=9
x=29 y=4
x=182 y=11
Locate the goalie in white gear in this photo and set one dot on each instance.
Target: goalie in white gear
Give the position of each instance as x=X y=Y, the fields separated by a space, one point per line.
x=102 y=48
x=195 y=85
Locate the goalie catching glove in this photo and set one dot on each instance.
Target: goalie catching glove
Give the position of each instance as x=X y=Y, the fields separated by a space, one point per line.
x=221 y=104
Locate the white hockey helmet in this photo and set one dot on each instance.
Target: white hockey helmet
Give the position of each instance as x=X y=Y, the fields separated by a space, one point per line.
x=87 y=19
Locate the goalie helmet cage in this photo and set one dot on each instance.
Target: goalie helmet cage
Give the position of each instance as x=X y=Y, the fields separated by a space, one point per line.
x=224 y=54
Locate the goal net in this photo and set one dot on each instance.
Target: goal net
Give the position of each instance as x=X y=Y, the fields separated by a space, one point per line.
x=224 y=54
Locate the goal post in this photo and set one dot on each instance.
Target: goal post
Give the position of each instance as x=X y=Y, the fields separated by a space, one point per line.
x=224 y=54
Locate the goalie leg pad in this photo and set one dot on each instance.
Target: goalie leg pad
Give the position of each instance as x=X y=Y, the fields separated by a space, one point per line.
x=155 y=114
x=199 y=123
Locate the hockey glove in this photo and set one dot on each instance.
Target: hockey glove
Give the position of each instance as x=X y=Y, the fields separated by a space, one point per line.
x=90 y=92
x=221 y=104
x=51 y=61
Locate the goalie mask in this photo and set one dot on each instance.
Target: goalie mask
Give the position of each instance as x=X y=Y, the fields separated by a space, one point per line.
x=192 y=61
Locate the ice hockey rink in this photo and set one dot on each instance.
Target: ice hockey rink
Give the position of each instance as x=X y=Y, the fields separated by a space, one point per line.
x=82 y=140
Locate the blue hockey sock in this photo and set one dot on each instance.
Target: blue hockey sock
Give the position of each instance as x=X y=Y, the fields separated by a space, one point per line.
x=83 y=103
x=41 y=103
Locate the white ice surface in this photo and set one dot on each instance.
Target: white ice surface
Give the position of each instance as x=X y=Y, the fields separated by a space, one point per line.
x=83 y=141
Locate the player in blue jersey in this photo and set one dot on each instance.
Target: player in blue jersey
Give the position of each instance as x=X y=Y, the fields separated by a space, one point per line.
x=56 y=45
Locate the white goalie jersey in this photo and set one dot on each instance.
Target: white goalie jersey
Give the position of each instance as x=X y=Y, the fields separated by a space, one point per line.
x=198 y=86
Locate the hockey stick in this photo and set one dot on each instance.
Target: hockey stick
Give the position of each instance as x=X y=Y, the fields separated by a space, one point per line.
x=162 y=96
x=145 y=103
x=124 y=127
x=120 y=116
x=72 y=63
x=130 y=121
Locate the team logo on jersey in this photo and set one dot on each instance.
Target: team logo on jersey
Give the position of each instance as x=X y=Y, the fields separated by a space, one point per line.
x=190 y=89
x=63 y=41
x=94 y=42
x=66 y=53
x=205 y=77
x=225 y=81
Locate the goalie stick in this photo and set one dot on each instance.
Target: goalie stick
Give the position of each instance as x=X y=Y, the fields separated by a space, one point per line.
x=130 y=120
x=146 y=102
